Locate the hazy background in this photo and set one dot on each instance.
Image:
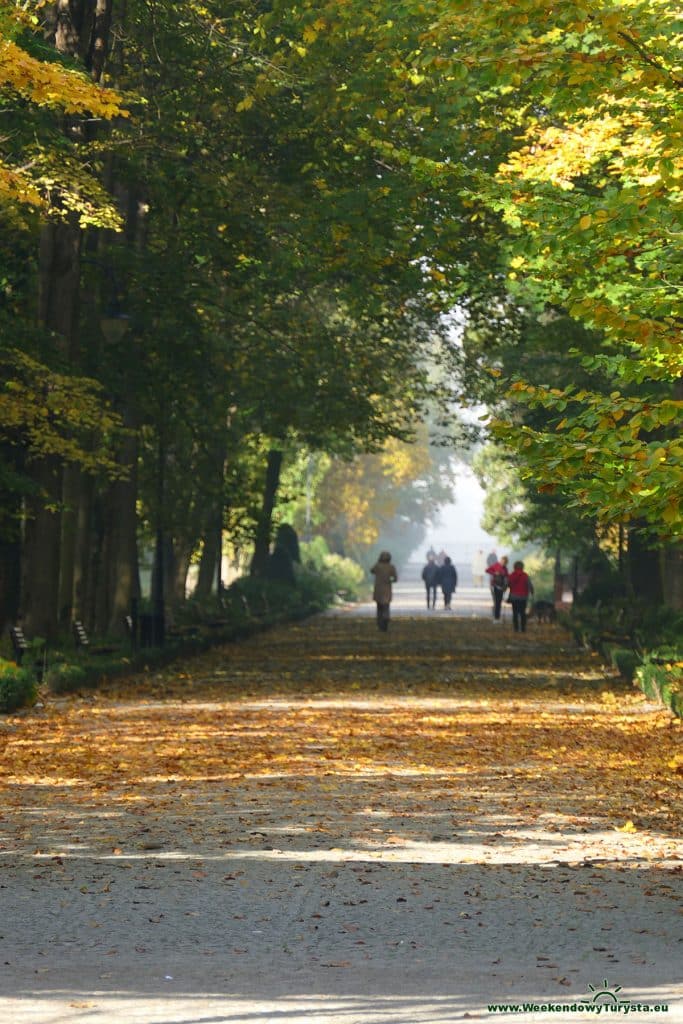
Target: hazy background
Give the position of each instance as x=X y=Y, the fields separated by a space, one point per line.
x=458 y=531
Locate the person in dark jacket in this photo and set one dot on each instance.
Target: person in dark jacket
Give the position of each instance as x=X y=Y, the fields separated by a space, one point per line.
x=448 y=578
x=498 y=573
x=430 y=575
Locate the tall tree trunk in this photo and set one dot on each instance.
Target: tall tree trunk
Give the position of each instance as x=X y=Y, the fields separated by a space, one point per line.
x=78 y=28
x=212 y=536
x=11 y=461
x=10 y=580
x=98 y=593
x=81 y=29
x=123 y=576
x=40 y=575
x=58 y=312
x=672 y=573
x=644 y=560
x=71 y=493
x=208 y=563
x=83 y=553
x=182 y=555
x=265 y=523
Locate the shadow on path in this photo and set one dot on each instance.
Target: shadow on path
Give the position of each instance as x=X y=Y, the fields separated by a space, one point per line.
x=329 y=825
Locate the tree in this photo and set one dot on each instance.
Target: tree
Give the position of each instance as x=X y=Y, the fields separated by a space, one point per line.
x=352 y=503
x=591 y=192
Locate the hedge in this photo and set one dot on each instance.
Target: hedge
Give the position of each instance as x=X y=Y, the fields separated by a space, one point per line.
x=18 y=686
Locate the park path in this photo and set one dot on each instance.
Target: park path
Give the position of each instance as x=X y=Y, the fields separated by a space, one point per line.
x=329 y=825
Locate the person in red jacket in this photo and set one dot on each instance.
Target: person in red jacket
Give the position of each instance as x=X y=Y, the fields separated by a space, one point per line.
x=521 y=589
x=498 y=573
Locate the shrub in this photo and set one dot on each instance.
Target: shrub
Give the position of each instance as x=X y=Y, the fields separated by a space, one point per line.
x=315 y=591
x=64 y=676
x=258 y=596
x=626 y=661
x=660 y=676
x=314 y=552
x=17 y=686
x=348 y=577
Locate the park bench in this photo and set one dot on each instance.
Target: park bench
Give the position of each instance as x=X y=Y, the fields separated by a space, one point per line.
x=183 y=632
x=19 y=643
x=83 y=641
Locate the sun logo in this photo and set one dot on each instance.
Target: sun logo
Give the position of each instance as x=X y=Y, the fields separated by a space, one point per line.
x=605 y=996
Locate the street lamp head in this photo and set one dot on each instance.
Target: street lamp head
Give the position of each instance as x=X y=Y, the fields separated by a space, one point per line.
x=114 y=324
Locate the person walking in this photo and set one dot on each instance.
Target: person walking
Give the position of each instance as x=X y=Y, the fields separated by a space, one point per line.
x=498 y=573
x=385 y=574
x=521 y=589
x=430 y=575
x=448 y=578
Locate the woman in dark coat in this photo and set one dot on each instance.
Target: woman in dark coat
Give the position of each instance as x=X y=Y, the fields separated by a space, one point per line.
x=448 y=578
x=385 y=574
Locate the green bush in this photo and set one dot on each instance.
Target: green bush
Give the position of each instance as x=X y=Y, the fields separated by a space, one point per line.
x=258 y=597
x=346 y=577
x=660 y=676
x=315 y=591
x=64 y=676
x=17 y=686
x=541 y=569
x=314 y=552
x=626 y=661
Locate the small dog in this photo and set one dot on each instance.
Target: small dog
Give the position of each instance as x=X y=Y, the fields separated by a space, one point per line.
x=544 y=611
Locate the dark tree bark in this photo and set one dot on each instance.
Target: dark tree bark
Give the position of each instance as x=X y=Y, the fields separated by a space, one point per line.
x=58 y=311
x=83 y=554
x=10 y=538
x=80 y=29
x=212 y=537
x=672 y=557
x=182 y=555
x=40 y=575
x=123 y=573
x=264 y=527
x=208 y=563
x=644 y=562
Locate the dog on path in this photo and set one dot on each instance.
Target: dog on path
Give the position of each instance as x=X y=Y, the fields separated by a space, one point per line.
x=544 y=611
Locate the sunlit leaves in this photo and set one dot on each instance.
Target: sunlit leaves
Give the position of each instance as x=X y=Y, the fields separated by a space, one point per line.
x=56 y=414
x=53 y=85
x=39 y=89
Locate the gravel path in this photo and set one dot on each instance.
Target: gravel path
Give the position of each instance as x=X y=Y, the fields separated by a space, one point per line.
x=340 y=881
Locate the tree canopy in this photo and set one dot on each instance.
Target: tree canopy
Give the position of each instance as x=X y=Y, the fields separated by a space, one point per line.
x=288 y=201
